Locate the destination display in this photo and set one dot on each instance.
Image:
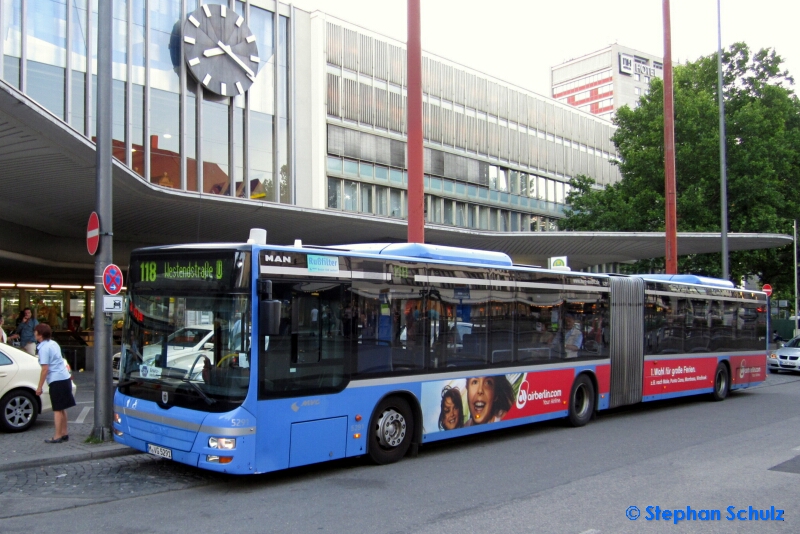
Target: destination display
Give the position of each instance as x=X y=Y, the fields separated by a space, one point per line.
x=208 y=270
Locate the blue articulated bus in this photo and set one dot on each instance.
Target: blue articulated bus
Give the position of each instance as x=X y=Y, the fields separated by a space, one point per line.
x=250 y=358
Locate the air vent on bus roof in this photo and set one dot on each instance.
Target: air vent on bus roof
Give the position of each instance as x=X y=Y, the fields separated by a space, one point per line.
x=433 y=252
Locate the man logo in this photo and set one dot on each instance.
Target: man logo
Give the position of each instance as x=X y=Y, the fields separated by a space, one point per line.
x=164 y=397
x=277 y=259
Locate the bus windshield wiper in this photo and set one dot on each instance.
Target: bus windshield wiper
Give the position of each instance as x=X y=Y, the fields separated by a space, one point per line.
x=199 y=390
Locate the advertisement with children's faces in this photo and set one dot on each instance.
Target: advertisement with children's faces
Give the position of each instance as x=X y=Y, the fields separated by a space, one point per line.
x=481 y=400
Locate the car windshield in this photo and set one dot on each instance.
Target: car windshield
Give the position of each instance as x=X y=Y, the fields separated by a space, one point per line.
x=793 y=342
x=193 y=348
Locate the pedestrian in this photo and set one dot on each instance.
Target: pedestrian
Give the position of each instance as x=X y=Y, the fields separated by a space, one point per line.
x=24 y=332
x=54 y=370
x=3 y=336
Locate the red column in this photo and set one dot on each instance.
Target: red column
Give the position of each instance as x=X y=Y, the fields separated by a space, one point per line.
x=416 y=196
x=669 y=151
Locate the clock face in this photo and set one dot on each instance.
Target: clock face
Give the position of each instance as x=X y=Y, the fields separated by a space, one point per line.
x=220 y=50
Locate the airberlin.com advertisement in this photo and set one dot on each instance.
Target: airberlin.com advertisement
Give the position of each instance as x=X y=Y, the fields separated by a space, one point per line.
x=467 y=402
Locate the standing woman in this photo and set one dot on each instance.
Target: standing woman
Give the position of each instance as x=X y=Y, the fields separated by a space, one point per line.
x=54 y=370
x=24 y=332
x=3 y=336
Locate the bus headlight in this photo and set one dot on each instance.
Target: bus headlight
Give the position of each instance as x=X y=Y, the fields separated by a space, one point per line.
x=117 y=418
x=222 y=443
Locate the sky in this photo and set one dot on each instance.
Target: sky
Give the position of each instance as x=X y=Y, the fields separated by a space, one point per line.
x=518 y=41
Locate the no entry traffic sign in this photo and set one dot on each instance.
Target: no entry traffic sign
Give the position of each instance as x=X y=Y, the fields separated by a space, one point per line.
x=93 y=233
x=766 y=288
x=112 y=279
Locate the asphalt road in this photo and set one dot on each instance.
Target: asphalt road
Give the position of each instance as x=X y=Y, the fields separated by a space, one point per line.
x=739 y=453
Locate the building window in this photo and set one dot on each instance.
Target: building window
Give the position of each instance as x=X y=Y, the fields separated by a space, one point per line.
x=350 y=168
x=350 y=196
x=366 y=198
x=334 y=193
x=334 y=164
x=395 y=203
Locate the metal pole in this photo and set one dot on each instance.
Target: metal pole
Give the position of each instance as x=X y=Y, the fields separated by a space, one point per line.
x=102 y=328
x=671 y=218
x=416 y=168
x=796 y=314
x=723 y=196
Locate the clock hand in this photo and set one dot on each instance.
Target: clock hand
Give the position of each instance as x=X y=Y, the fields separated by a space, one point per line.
x=238 y=61
x=213 y=52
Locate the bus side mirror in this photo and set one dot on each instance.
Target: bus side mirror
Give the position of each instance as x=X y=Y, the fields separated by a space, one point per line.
x=269 y=317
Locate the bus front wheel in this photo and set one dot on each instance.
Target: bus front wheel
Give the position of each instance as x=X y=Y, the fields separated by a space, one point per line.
x=391 y=431
x=722 y=383
x=581 y=401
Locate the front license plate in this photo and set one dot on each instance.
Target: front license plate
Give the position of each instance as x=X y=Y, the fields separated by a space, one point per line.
x=159 y=451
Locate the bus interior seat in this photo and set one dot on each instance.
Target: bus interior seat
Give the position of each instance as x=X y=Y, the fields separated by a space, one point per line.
x=502 y=356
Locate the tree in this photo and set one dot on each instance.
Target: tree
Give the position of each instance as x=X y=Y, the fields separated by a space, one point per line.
x=762 y=116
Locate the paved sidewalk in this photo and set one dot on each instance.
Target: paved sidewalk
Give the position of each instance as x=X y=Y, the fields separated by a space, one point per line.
x=28 y=449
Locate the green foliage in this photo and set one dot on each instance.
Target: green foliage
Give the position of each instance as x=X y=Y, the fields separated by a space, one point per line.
x=762 y=121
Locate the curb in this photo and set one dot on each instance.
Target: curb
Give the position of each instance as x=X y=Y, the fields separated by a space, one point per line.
x=71 y=458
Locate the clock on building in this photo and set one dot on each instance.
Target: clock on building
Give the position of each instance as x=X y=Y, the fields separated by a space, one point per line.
x=220 y=50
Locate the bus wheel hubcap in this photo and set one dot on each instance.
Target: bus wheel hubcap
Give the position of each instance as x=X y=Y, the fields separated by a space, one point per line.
x=391 y=428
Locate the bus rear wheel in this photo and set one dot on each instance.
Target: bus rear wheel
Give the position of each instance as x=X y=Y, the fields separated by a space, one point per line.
x=391 y=431
x=581 y=401
x=722 y=383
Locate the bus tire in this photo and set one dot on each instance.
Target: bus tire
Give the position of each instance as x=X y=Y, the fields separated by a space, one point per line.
x=391 y=430
x=581 y=401
x=722 y=382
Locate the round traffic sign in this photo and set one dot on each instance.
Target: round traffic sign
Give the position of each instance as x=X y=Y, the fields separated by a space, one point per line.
x=766 y=288
x=112 y=279
x=93 y=233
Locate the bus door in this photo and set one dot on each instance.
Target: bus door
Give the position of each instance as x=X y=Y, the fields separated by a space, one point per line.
x=307 y=358
x=627 y=340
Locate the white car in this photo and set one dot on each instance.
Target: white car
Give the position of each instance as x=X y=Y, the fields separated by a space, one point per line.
x=785 y=358
x=19 y=377
x=183 y=348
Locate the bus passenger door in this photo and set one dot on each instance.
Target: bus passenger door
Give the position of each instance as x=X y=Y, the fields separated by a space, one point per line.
x=305 y=361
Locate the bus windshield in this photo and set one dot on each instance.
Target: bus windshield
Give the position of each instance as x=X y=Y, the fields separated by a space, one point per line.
x=193 y=349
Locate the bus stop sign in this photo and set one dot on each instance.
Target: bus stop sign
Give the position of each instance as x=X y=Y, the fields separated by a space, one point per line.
x=112 y=279
x=766 y=288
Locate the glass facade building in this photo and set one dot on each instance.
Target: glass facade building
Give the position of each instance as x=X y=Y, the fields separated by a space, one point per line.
x=166 y=128
x=323 y=125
